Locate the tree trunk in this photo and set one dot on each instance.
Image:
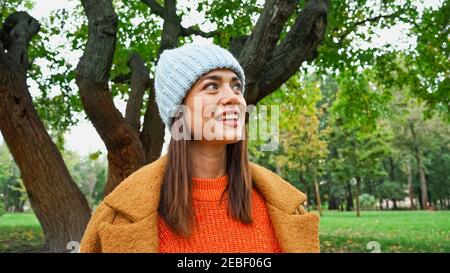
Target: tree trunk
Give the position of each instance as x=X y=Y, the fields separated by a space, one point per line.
x=333 y=202
x=317 y=193
x=51 y=190
x=357 y=191
x=348 y=191
x=303 y=181
x=125 y=150
x=409 y=177
x=423 y=181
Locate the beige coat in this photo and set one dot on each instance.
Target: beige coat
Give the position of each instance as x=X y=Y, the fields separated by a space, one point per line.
x=126 y=221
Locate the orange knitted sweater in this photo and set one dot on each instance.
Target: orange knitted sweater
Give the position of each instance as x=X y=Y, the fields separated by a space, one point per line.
x=215 y=230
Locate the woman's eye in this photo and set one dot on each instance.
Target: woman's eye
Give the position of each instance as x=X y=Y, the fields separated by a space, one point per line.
x=211 y=86
x=237 y=87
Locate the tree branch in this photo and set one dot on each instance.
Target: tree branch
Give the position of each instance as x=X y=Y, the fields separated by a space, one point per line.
x=122 y=78
x=299 y=45
x=155 y=7
x=140 y=81
x=125 y=151
x=237 y=44
x=18 y=30
x=265 y=34
x=171 y=27
x=351 y=28
x=169 y=8
x=195 y=30
x=152 y=135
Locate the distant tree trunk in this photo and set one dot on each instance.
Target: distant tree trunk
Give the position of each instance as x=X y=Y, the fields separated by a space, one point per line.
x=392 y=178
x=357 y=191
x=423 y=181
x=391 y=169
x=348 y=191
x=381 y=203
x=303 y=181
x=56 y=200
x=419 y=193
x=317 y=192
x=409 y=177
x=333 y=202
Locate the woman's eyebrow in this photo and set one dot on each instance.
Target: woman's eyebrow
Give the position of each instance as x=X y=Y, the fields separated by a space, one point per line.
x=218 y=78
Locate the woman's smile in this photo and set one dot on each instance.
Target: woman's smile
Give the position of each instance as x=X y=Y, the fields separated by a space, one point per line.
x=230 y=118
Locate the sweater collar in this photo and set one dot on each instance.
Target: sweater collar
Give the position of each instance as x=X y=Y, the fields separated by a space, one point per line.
x=138 y=195
x=209 y=189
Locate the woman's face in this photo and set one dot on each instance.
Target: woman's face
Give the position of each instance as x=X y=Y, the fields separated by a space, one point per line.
x=215 y=108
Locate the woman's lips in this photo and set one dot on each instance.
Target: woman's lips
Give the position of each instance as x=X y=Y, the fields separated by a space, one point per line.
x=229 y=122
x=229 y=118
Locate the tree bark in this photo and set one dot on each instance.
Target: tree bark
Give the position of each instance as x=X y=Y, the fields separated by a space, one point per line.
x=59 y=205
x=317 y=192
x=349 y=196
x=409 y=177
x=152 y=135
x=299 y=45
x=262 y=41
x=303 y=181
x=357 y=191
x=125 y=150
x=423 y=180
x=140 y=81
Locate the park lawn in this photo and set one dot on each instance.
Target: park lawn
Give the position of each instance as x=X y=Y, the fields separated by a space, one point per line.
x=20 y=232
x=394 y=231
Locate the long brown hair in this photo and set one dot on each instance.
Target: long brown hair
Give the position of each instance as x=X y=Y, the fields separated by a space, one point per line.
x=175 y=205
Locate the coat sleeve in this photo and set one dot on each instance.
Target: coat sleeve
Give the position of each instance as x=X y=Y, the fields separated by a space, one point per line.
x=91 y=240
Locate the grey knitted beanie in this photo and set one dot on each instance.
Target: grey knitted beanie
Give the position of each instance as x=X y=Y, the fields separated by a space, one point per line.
x=178 y=70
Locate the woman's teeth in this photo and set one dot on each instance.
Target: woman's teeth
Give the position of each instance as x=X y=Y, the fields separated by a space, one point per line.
x=230 y=117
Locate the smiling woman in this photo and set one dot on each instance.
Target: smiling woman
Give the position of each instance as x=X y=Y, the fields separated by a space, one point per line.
x=204 y=195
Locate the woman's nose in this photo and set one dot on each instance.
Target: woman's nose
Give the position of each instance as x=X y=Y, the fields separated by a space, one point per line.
x=229 y=96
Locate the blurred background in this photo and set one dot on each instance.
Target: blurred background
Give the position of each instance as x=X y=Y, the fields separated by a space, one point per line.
x=362 y=88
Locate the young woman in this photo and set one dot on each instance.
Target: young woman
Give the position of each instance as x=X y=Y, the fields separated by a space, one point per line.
x=204 y=195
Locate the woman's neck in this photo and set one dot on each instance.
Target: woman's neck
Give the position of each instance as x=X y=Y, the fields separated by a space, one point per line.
x=208 y=160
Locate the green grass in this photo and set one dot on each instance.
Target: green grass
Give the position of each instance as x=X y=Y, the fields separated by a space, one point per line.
x=20 y=232
x=395 y=231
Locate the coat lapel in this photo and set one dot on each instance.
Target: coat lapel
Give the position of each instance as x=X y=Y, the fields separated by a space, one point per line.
x=294 y=232
x=139 y=237
x=136 y=199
